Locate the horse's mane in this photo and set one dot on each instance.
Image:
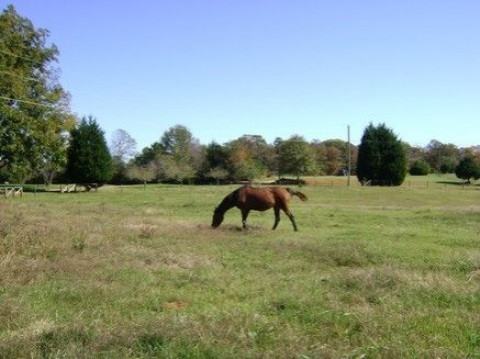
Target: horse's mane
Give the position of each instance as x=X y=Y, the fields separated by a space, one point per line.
x=229 y=201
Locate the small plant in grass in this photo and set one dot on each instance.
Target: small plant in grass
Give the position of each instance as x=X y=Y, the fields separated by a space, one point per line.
x=147 y=231
x=78 y=244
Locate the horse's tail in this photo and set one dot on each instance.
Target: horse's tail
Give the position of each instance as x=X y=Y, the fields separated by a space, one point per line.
x=299 y=194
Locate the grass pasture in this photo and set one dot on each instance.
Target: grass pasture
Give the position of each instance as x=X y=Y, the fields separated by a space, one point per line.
x=372 y=273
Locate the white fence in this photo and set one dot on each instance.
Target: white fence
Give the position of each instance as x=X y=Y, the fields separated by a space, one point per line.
x=11 y=191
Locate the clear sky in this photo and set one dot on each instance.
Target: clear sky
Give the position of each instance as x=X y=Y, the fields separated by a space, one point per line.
x=225 y=68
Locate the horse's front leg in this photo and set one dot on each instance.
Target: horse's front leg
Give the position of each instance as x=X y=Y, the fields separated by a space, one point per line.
x=244 y=217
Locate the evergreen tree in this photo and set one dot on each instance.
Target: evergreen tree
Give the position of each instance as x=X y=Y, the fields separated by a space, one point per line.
x=381 y=157
x=88 y=157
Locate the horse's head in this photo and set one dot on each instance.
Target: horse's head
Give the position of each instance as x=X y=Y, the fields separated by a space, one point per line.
x=217 y=218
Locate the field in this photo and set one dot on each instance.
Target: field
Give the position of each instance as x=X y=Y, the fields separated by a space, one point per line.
x=138 y=273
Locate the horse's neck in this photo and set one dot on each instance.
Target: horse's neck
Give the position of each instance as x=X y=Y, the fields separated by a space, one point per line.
x=228 y=202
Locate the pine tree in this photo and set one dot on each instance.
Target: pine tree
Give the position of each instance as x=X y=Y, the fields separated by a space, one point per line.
x=381 y=157
x=89 y=160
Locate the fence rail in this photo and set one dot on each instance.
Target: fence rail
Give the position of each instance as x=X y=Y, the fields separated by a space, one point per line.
x=11 y=191
x=68 y=188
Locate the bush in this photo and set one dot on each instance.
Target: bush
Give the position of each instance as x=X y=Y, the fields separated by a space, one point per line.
x=419 y=168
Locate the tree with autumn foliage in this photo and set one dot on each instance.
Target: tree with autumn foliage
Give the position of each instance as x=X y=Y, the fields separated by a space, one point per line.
x=244 y=157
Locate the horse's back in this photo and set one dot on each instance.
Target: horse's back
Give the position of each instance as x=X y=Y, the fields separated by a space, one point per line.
x=281 y=194
x=259 y=199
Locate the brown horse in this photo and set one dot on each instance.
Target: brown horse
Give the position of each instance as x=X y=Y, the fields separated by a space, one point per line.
x=248 y=198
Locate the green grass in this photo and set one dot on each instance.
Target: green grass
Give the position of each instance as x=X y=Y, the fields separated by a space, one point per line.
x=373 y=272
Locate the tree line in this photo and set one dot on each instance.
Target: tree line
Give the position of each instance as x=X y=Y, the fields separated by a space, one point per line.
x=42 y=141
x=381 y=158
x=179 y=157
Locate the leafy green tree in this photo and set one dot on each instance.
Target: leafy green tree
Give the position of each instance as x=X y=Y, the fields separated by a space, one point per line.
x=468 y=168
x=88 y=157
x=215 y=163
x=320 y=155
x=438 y=154
x=34 y=108
x=182 y=154
x=149 y=154
x=448 y=164
x=381 y=157
x=178 y=142
x=295 y=157
x=216 y=156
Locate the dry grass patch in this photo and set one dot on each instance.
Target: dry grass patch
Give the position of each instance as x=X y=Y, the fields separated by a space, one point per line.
x=17 y=271
x=143 y=230
x=160 y=257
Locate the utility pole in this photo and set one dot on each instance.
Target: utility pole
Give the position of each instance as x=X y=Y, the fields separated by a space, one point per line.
x=348 y=155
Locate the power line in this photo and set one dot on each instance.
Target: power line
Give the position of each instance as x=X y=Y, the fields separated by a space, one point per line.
x=24 y=78
x=20 y=57
x=19 y=76
x=25 y=101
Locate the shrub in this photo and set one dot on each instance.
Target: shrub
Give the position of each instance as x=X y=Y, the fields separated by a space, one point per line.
x=419 y=168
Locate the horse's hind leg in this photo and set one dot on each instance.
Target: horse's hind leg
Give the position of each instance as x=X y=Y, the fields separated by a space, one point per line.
x=285 y=208
x=277 y=217
x=292 y=219
x=244 y=218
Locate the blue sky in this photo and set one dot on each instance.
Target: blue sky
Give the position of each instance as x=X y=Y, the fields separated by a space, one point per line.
x=225 y=68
